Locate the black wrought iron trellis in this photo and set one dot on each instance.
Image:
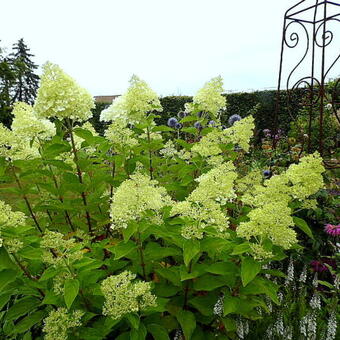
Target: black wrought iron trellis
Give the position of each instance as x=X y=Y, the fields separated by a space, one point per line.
x=313 y=18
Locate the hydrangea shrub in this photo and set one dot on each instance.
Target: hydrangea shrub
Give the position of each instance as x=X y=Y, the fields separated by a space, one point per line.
x=146 y=232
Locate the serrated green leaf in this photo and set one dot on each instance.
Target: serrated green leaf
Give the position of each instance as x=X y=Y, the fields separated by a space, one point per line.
x=190 y=249
x=71 y=289
x=302 y=225
x=187 y=321
x=249 y=269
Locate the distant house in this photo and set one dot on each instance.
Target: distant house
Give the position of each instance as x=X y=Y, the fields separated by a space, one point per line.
x=105 y=99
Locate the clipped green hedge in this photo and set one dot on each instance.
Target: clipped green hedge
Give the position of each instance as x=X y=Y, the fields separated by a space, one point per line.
x=242 y=104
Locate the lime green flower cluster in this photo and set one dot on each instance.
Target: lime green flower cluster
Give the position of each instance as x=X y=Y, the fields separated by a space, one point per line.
x=202 y=208
x=120 y=135
x=239 y=134
x=134 y=104
x=27 y=125
x=123 y=296
x=8 y=220
x=169 y=150
x=271 y=217
x=61 y=97
x=134 y=197
x=67 y=250
x=306 y=177
x=209 y=98
x=59 y=322
x=12 y=147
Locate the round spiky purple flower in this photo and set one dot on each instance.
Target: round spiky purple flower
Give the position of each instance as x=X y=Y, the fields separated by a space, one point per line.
x=212 y=123
x=234 y=118
x=200 y=114
x=267 y=173
x=198 y=125
x=181 y=114
x=172 y=122
x=178 y=126
x=333 y=230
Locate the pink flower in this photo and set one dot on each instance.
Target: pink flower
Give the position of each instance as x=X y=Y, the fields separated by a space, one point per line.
x=333 y=230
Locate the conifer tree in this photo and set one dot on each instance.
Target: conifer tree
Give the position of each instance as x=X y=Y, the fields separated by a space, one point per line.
x=26 y=83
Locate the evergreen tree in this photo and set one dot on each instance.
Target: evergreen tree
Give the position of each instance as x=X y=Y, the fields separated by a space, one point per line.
x=7 y=81
x=26 y=84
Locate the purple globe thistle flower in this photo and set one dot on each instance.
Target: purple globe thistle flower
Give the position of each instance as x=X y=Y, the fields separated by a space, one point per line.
x=181 y=114
x=223 y=127
x=172 y=122
x=234 y=118
x=333 y=230
x=200 y=114
x=178 y=126
x=267 y=173
x=198 y=125
x=212 y=123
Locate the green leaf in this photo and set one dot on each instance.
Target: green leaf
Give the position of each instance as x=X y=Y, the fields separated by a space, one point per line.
x=7 y=276
x=4 y=299
x=230 y=304
x=190 y=249
x=249 y=269
x=134 y=320
x=262 y=286
x=187 y=321
x=123 y=249
x=31 y=253
x=83 y=133
x=302 y=224
x=204 y=304
x=241 y=248
x=22 y=307
x=71 y=289
x=56 y=149
x=222 y=268
x=209 y=282
x=5 y=261
x=48 y=273
x=158 y=332
x=153 y=251
x=138 y=334
x=162 y=128
x=29 y=321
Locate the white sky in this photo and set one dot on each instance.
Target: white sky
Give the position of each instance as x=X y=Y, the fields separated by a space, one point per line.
x=175 y=45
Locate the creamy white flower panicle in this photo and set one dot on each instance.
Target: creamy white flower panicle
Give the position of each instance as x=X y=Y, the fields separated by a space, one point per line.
x=209 y=98
x=271 y=217
x=67 y=250
x=27 y=125
x=124 y=296
x=134 y=197
x=202 y=208
x=61 y=97
x=134 y=104
x=10 y=218
x=239 y=134
x=59 y=322
x=12 y=147
x=120 y=135
x=169 y=150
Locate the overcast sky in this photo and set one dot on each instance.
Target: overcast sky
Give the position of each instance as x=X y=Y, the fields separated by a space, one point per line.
x=175 y=45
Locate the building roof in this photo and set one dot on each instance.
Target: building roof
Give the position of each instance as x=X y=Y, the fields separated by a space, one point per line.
x=105 y=99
